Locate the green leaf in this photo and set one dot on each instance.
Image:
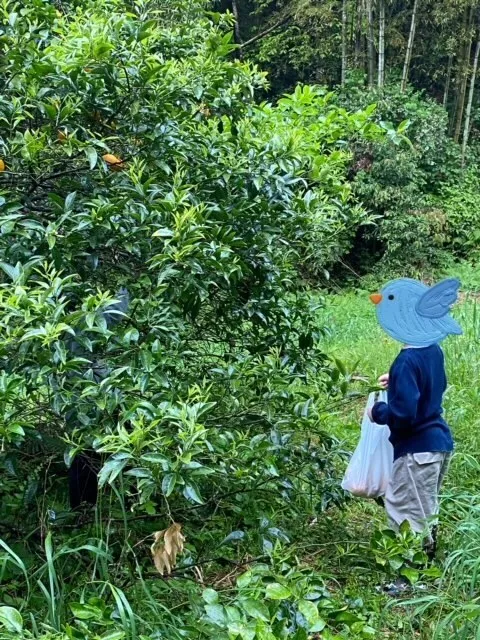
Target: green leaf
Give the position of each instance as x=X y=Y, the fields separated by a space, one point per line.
x=403 y=126
x=340 y=366
x=11 y=619
x=405 y=528
x=132 y=335
x=396 y=562
x=12 y=272
x=210 y=596
x=163 y=233
x=347 y=618
x=113 y=635
x=85 y=611
x=256 y=609
x=112 y=469
x=16 y=428
x=154 y=457
x=234 y=536
x=69 y=200
x=233 y=614
x=276 y=591
x=368 y=631
x=244 y=580
x=168 y=484
x=92 y=156
x=420 y=558
x=432 y=572
x=309 y=611
x=190 y=492
x=90 y=319
x=216 y=613
x=412 y=575
x=245 y=631
x=318 y=626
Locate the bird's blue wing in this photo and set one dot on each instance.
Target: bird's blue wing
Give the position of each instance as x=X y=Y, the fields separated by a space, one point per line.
x=451 y=326
x=437 y=301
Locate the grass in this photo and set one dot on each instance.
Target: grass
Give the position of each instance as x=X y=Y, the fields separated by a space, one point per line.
x=128 y=603
x=450 y=607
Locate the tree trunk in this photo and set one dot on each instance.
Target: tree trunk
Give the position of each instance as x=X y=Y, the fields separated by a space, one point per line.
x=344 y=42
x=466 y=130
x=464 y=80
x=351 y=30
x=236 y=15
x=408 y=54
x=370 y=44
x=358 y=33
x=447 y=81
x=381 y=43
x=459 y=69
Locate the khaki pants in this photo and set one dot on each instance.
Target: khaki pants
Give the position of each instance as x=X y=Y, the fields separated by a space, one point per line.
x=413 y=490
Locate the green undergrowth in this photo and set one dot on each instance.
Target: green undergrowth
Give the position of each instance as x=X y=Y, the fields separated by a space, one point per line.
x=447 y=606
x=316 y=578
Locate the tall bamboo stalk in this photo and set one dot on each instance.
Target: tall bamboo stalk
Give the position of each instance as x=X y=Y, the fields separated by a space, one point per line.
x=466 y=129
x=358 y=32
x=236 y=15
x=408 y=54
x=344 y=41
x=462 y=92
x=370 y=44
x=447 y=81
x=381 y=43
x=459 y=68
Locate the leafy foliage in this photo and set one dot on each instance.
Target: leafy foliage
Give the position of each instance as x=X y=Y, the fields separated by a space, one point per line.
x=158 y=228
x=402 y=554
x=460 y=202
x=304 y=48
x=401 y=183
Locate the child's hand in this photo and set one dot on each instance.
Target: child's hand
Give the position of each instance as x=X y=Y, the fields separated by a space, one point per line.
x=383 y=380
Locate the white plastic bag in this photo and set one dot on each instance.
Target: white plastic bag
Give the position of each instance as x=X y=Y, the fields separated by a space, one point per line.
x=370 y=467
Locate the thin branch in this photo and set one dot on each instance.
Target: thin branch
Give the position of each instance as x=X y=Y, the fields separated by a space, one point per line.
x=259 y=36
x=221 y=560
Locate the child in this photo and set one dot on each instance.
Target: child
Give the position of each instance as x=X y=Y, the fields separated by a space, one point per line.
x=421 y=439
x=418 y=317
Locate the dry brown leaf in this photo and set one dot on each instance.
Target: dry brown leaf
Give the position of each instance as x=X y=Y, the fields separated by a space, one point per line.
x=167 y=545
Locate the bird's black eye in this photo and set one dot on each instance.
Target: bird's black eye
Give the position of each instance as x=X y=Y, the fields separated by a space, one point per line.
x=391 y=297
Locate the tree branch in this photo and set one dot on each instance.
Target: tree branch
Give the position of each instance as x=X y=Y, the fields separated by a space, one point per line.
x=259 y=36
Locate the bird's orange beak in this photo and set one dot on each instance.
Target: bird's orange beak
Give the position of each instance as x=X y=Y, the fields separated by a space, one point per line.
x=376 y=298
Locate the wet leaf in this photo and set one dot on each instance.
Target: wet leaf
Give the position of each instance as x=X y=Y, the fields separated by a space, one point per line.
x=277 y=591
x=11 y=619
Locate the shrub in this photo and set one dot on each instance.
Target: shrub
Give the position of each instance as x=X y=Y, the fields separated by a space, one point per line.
x=460 y=202
x=156 y=229
x=399 y=184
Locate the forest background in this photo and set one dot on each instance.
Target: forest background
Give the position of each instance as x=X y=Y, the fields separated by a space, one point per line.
x=195 y=200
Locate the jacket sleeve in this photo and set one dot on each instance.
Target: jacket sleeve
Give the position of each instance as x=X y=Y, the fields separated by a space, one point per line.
x=403 y=396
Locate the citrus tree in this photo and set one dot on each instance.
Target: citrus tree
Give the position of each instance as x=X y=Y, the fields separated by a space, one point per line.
x=160 y=233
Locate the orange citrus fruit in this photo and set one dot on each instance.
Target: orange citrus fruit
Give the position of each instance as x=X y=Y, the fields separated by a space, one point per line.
x=2 y=165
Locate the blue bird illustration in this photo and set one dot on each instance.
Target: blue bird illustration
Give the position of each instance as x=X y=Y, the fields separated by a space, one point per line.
x=417 y=315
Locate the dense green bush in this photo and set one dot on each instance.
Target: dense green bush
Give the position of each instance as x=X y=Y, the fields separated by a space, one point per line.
x=460 y=202
x=137 y=160
x=399 y=183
